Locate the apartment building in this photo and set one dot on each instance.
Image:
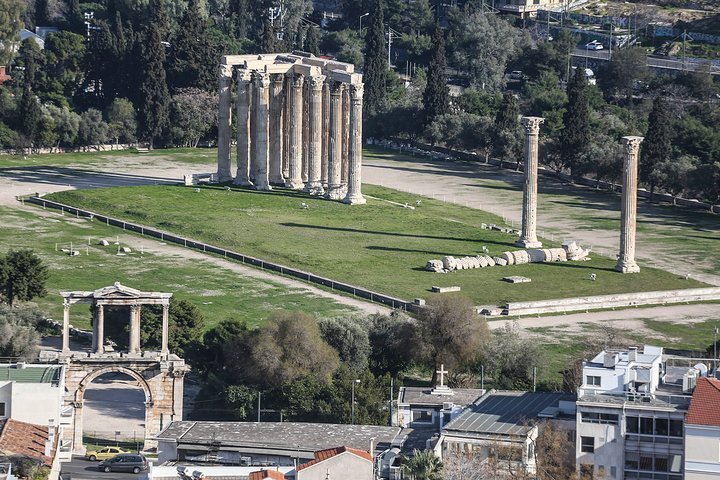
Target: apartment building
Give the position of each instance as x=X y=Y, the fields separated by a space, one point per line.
x=702 y=432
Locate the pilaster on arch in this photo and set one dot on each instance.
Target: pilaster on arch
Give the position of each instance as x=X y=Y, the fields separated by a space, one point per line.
x=90 y=377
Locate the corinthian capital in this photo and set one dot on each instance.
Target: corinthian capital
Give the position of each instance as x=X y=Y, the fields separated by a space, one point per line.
x=532 y=124
x=298 y=80
x=356 y=91
x=632 y=144
x=316 y=82
x=261 y=79
x=337 y=88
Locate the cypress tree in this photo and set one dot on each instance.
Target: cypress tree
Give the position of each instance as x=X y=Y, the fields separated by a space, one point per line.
x=154 y=96
x=575 y=137
x=42 y=13
x=375 y=70
x=190 y=52
x=312 y=40
x=268 y=39
x=507 y=141
x=436 y=98
x=657 y=146
x=158 y=17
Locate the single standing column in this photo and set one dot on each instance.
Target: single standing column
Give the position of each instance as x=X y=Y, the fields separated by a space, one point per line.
x=165 y=314
x=277 y=99
x=334 y=189
x=134 y=345
x=66 y=327
x=354 y=193
x=224 y=101
x=628 y=209
x=325 y=134
x=296 y=131
x=100 y=329
x=260 y=161
x=315 y=116
x=244 y=90
x=528 y=235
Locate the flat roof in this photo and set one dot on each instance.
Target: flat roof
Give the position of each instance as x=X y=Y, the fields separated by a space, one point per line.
x=504 y=413
x=31 y=373
x=424 y=396
x=289 y=436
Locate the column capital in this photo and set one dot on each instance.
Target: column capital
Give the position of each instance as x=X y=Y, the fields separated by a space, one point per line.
x=66 y=305
x=243 y=75
x=225 y=71
x=632 y=144
x=277 y=79
x=261 y=79
x=297 y=80
x=337 y=88
x=532 y=124
x=316 y=82
x=356 y=91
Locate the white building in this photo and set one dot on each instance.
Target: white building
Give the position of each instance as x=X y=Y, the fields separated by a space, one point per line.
x=702 y=432
x=432 y=408
x=630 y=414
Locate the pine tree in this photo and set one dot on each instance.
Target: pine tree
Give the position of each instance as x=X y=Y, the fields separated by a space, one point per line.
x=657 y=146
x=158 y=17
x=375 y=70
x=154 y=96
x=436 y=98
x=42 y=13
x=312 y=40
x=575 y=137
x=190 y=52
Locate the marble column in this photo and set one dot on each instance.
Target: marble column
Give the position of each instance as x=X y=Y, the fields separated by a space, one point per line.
x=134 y=344
x=100 y=319
x=315 y=117
x=325 y=134
x=244 y=92
x=628 y=207
x=334 y=188
x=260 y=131
x=306 y=135
x=66 y=327
x=165 y=325
x=345 y=136
x=286 y=128
x=354 y=193
x=224 y=106
x=528 y=235
x=277 y=100
x=296 y=130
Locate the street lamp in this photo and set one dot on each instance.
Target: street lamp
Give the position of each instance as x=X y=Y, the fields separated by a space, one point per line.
x=361 y=17
x=352 y=403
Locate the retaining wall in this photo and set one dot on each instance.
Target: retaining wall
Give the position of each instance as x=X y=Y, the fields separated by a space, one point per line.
x=205 y=247
x=562 y=305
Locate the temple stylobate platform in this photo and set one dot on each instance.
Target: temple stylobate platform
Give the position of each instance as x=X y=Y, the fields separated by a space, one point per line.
x=299 y=124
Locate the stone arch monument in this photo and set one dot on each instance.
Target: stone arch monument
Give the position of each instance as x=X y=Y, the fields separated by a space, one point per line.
x=159 y=374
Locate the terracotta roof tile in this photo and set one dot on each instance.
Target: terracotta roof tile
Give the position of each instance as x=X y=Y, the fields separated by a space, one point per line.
x=704 y=406
x=26 y=439
x=322 y=455
x=266 y=474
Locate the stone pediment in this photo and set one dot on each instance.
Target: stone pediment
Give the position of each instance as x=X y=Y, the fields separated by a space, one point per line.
x=117 y=291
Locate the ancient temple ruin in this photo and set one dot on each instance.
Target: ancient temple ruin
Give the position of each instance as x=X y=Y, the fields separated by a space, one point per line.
x=299 y=124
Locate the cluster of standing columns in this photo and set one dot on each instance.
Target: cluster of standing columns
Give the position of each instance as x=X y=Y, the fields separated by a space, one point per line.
x=299 y=124
x=628 y=212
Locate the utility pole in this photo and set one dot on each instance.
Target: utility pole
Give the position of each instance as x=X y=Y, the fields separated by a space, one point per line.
x=259 y=406
x=715 y=334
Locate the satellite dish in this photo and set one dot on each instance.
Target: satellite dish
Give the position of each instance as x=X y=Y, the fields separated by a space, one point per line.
x=702 y=368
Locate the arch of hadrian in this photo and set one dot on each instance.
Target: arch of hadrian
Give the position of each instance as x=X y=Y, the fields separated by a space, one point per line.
x=159 y=374
x=299 y=124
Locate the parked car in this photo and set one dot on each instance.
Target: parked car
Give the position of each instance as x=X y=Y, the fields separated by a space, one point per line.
x=104 y=453
x=516 y=75
x=124 y=462
x=594 y=45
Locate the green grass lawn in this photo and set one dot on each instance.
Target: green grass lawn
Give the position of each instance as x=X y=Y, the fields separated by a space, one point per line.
x=218 y=292
x=378 y=246
x=183 y=155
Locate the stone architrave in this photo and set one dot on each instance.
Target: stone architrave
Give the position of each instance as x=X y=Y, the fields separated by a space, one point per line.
x=277 y=99
x=224 y=173
x=528 y=235
x=294 y=181
x=628 y=209
x=242 y=138
x=315 y=117
x=354 y=194
x=260 y=141
x=334 y=188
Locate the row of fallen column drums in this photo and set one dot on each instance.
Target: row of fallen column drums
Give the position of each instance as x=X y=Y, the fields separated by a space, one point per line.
x=517 y=257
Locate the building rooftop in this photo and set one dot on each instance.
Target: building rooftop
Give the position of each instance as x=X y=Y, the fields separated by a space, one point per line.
x=322 y=455
x=266 y=475
x=705 y=404
x=506 y=413
x=28 y=373
x=423 y=396
x=289 y=436
x=25 y=439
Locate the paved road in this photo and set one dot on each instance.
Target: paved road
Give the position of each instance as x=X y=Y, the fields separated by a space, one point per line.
x=666 y=63
x=81 y=469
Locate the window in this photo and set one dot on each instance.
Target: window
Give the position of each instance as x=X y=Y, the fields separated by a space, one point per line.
x=646 y=426
x=2 y=409
x=646 y=461
x=587 y=444
x=613 y=472
x=661 y=426
x=592 y=380
x=531 y=451
x=422 y=416
x=632 y=460
x=676 y=428
x=604 y=418
x=632 y=425
x=661 y=463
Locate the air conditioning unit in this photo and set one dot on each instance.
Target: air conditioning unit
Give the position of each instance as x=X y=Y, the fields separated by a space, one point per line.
x=448 y=405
